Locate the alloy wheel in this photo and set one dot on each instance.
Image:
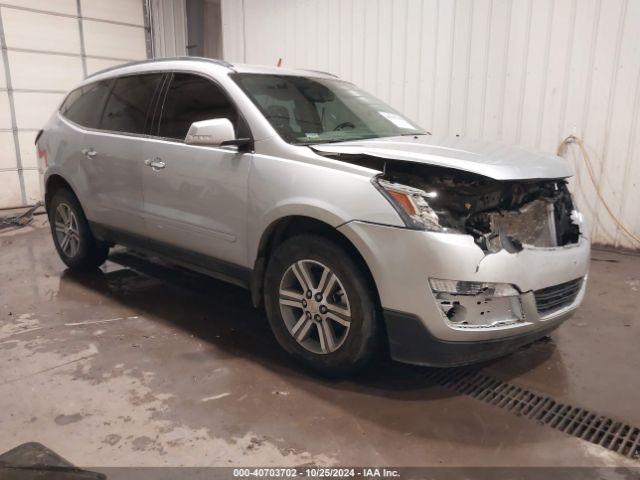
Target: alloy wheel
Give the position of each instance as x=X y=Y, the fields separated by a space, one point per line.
x=314 y=306
x=67 y=231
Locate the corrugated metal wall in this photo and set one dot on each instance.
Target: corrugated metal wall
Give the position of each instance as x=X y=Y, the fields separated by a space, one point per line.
x=520 y=71
x=169 y=20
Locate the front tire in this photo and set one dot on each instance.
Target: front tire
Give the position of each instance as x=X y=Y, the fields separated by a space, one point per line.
x=320 y=305
x=76 y=245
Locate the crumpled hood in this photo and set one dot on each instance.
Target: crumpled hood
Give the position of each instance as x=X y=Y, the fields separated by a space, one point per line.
x=494 y=160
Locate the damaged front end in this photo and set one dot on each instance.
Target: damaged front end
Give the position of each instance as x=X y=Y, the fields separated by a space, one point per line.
x=508 y=215
x=498 y=214
x=506 y=256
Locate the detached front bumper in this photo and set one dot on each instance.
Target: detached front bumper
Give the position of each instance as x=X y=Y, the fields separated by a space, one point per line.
x=402 y=261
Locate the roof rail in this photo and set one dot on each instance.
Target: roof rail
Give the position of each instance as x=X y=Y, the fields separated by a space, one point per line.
x=165 y=59
x=319 y=71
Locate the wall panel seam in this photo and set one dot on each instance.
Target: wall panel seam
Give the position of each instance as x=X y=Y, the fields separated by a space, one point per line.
x=483 y=101
x=148 y=24
x=69 y=15
x=567 y=71
x=405 y=55
x=434 y=75
x=21 y=169
x=609 y=114
x=419 y=79
x=452 y=41
x=503 y=80
x=352 y=41
x=376 y=70
x=31 y=90
x=364 y=48
x=83 y=51
x=465 y=107
x=545 y=73
x=244 y=33
x=390 y=68
x=67 y=54
x=525 y=69
x=592 y=53
x=12 y=112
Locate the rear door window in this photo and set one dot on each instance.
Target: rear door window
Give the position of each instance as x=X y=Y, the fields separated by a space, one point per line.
x=191 y=98
x=128 y=105
x=85 y=104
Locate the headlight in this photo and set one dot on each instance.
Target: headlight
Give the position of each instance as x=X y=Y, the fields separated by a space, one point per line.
x=412 y=205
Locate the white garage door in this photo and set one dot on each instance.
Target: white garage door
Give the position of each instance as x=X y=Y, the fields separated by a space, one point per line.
x=47 y=48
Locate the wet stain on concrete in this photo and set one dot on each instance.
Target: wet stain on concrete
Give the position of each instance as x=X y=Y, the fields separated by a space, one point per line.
x=67 y=419
x=142 y=443
x=112 y=439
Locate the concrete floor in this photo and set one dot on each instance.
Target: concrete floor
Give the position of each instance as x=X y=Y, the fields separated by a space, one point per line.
x=143 y=365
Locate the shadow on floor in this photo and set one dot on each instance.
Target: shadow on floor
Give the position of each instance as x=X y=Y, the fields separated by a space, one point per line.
x=394 y=396
x=221 y=314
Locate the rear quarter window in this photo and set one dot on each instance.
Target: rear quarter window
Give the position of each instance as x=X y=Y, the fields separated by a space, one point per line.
x=84 y=105
x=115 y=105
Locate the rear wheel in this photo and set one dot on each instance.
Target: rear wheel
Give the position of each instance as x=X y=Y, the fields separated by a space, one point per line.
x=320 y=306
x=72 y=237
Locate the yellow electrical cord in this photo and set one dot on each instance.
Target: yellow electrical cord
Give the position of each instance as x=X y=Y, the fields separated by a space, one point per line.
x=561 y=149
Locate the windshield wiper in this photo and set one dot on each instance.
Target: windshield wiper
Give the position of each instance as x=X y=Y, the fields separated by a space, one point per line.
x=318 y=142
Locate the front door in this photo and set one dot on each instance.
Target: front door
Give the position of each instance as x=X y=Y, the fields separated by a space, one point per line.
x=195 y=197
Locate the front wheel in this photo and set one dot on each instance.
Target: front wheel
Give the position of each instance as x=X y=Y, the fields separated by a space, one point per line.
x=320 y=305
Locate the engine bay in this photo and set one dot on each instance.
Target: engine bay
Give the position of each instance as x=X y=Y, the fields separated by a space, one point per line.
x=498 y=214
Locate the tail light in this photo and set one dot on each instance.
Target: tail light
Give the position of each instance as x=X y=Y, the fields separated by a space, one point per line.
x=43 y=161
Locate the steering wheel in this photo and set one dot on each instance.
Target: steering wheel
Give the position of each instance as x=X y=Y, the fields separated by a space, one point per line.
x=344 y=125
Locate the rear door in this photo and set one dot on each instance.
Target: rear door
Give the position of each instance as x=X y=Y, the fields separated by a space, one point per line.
x=83 y=107
x=113 y=152
x=195 y=197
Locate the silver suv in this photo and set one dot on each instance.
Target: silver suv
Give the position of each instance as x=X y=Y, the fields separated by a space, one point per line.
x=355 y=229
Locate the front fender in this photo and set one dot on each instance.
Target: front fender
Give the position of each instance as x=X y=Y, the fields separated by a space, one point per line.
x=284 y=187
x=293 y=207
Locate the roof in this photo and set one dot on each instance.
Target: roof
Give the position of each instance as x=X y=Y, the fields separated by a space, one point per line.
x=144 y=65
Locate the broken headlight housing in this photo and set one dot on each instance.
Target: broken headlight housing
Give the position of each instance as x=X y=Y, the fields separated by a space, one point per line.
x=412 y=204
x=467 y=304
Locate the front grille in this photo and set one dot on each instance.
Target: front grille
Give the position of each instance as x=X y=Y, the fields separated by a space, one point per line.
x=558 y=296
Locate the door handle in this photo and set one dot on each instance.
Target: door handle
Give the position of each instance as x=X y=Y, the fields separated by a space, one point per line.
x=156 y=164
x=89 y=153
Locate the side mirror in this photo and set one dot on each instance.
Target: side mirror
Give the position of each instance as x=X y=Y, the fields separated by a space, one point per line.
x=217 y=132
x=212 y=132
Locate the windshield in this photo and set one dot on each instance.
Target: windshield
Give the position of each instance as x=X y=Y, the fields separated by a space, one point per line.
x=307 y=110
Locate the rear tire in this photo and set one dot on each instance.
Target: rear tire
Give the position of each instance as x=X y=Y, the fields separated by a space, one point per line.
x=76 y=245
x=320 y=306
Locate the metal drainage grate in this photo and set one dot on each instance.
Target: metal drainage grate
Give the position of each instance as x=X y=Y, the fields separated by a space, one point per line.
x=606 y=432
